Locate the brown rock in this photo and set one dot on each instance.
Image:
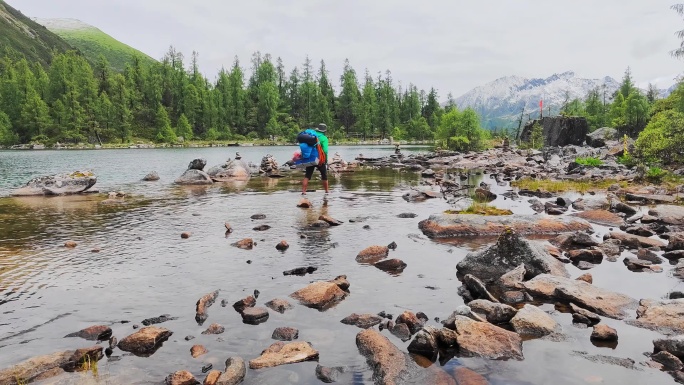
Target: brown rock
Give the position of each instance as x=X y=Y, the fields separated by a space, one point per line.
x=363 y=321
x=372 y=254
x=214 y=329
x=229 y=228
x=603 y=332
x=255 y=315
x=331 y=221
x=279 y=305
x=600 y=301
x=203 y=305
x=668 y=214
x=477 y=288
x=212 y=378
x=245 y=244
x=513 y=279
x=409 y=318
x=391 y=265
x=35 y=368
x=400 y=331
x=586 y=277
x=182 y=377
x=482 y=339
x=495 y=313
x=83 y=359
x=234 y=373
x=341 y=282
x=391 y=366
x=588 y=255
x=601 y=217
x=285 y=334
x=282 y=246
x=320 y=295
x=145 y=341
x=185 y=235
x=665 y=316
x=461 y=225
x=304 y=203
x=261 y=228
x=533 y=322
x=70 y=244
x=583 y=316
x=198 y=350
x=244 y=303
x=93 y=333
x=465 y=376
x=281 y=353
x=669 y=361
x=636 y=241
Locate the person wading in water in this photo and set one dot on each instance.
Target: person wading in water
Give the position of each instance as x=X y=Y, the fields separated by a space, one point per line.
x=323 y=165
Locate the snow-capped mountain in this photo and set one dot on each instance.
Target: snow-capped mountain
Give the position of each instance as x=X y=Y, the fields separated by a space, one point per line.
x=500 y=102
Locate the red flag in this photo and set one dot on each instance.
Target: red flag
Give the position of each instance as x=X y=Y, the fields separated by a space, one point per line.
x=541 y=104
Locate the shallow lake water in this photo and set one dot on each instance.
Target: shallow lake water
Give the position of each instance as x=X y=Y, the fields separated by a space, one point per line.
x=144 y=269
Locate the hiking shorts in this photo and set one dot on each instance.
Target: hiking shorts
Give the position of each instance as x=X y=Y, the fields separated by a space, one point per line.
x=322 y=168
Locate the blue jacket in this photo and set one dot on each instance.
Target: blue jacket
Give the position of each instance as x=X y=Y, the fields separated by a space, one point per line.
x=309 y=153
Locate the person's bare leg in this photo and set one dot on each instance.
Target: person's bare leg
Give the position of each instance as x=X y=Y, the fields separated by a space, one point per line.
x=305 y=185
x=325 y=186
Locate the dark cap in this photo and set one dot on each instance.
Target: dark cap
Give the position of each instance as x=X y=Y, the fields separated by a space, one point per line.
x=322 y=127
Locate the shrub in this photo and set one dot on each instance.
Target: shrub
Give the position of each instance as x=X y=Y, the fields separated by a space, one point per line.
x=655 y=174
x=589 y=161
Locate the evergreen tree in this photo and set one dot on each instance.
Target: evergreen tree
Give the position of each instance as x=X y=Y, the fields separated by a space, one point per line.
x=368 y=108
x=163 y=125
x=184 y=129
x=349 y=99
x=7 y=136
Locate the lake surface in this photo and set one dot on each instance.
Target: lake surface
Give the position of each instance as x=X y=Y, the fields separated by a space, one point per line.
x=144 y=269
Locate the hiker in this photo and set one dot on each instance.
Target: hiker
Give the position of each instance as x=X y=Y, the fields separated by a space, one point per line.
x=314 y=155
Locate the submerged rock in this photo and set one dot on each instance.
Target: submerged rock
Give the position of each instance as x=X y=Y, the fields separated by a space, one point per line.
x=328 y=375
x=157 y=320
x=60 y=184
x=279 y=305
x=214 y=329
x=601 y=217
x=36 y=368
x=465 y=376
x=93 y=333
x=664 y=316
x=466 y=225
x=145 y=341
x=391 y=265
x=372 y=253
x=509 y=252
x=281 y=353
x=244 y=244
x=363 y=321
x=151 y=177
x=194 y=177
x=600 y=301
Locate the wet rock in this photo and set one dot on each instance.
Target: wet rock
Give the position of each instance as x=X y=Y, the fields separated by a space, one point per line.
x=608 y=360
x=598 y=300
x=70 y=244
x=151 y=177
x=281 y=353
x=93 y=333
x=425 y=343
x=669 y=361
x=341 y=282
x=233 y=170
x=203 y=305
x=584 y=265
x=234 y=373
x=482 y=339
x=254 y=315
x=401 y=331
x=261 y=228
x=407 y=215
x=186 y=234
x=214 y=329
x=623 y=208
x=282 y=246
x=372 y=254
x=194 y=177
x=212 y=378
x=182 y=377
x=592 y=203
x=301 y=271
x=285 y=334
x=611 y=248
x=36 y=368
x=279 y=305
x=513 y=279
x=465 y=376
x=391 y=366
x=664 y=316
x=484 y=195
x=636 y=241
x=258 y=216
x=583 y=316
x=601 y=217
x=668 y=214
x=145 y=341
x=391 y=265
x=304 y=203
x=197 y=164
x=554 y=209
x=198 y=350
x=509 y=252
x=229 y=228
x=157 y=320
x=586 y=255
x=328 y=375
x=60 y=184
x=392 y=246
x=495 y=313
x=477 y=288
x=674 y=255
x=673 y=345
x=648 y=255
x=245 y=244
x=586 y=277
x=411 y=320
x=464 y=225
x=244 y=303
x=329 y=220
x=533 y=322
x=363 y=321
x=603 y=332
x=536 y=205
x=83 y=359
x=447 y=338
x=319 y=225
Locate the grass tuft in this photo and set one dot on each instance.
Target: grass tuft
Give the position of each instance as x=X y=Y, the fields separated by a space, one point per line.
x=556 y=186
x=589 y=161
x=481 y=208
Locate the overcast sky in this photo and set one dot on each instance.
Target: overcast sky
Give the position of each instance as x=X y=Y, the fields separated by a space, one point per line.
x=453 y=45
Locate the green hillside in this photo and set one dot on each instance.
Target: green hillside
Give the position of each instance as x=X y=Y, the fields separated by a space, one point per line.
x=21 y=36
x=92 y=42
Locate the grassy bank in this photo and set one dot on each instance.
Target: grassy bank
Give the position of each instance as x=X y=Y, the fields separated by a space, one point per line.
x=556 y=186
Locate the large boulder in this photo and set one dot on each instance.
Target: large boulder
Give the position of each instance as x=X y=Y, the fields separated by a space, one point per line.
x=665 y=316
x=232 y=170
x=559 y=130
x=599 y=137
x=281 y=353
x=482 y=339
x=669 y=214
x=194 y=177
x=509 y=252
x=599 y=301
x=469 y=225
x=60 y=184
x=145 y=341
x=391 y=366
x=197 y=164
x=531 y=321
